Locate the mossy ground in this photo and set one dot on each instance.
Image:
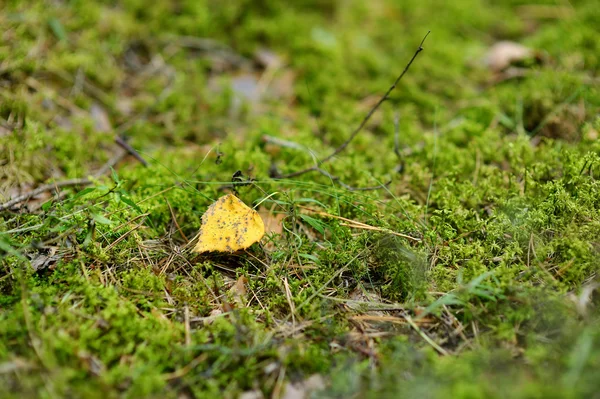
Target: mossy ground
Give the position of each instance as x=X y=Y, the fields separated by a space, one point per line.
x=498 y=184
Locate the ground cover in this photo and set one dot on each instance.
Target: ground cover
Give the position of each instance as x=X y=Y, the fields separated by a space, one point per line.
x=471 y=270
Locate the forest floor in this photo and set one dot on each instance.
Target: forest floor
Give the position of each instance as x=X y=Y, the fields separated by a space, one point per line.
x=449 y=248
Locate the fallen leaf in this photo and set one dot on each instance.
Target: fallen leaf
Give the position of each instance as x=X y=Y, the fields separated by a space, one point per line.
x=502 y=54
x=304 y=389
x=315 y=382
x=246 y=87
x=267 y=58
x=273 y=221
x=282 y=85
x=294 y=392
x=41 y=261
x=255 y=394
x=124 y=105
x=229 y=225
x=584 y=300
x=4 y=131
x=591 y=134
x=91 y=363
x=239 y=291
x=16 y=364
x=100 y=118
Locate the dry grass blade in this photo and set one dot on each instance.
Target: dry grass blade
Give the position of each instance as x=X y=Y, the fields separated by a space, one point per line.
x=124 y=236
x=427 y=339
x=390 y=319
x=359 y=225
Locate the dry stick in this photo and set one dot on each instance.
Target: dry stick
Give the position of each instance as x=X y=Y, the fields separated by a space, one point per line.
x=282 y=143
x=359 y=225
x=400 y=167
x=363 y=123
x=346 y=186
x=74 y=109
x=66 y=183
x=187 y=368
x=42 y=189
x=124 y=236
x=123 y=144
x=340 y=182
x=427 y=339
x=119 y=130
x=112 y=162
x=142 y=115
x=175 y=221
x=88 y=87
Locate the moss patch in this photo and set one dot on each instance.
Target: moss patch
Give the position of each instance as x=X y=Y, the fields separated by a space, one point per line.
x=472 y=274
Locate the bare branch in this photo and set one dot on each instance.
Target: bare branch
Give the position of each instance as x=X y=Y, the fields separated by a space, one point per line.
x=65 y=183
x=355 y=133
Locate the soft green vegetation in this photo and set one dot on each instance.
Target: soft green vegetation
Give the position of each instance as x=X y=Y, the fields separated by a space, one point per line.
x=493 y=296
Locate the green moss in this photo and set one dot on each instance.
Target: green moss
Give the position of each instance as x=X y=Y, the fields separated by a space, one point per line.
x=496 y=184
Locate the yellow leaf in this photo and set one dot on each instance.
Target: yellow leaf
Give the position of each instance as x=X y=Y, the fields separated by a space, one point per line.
x=229 y=225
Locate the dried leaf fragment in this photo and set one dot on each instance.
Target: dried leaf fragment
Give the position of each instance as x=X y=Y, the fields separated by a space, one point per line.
x=502 y=54
x=229 y=225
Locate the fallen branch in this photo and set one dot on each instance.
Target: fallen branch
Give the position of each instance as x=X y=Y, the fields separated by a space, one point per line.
x=125 y=145
x=65 y=183
x=355 y=133
x=348 y=187
x=119 y=130
x=126 y=149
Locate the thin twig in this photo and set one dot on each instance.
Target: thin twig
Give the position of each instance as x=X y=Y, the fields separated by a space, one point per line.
x=111 y=163
x=282 y=143
x=290 y=144
x=175 y=221
x=106 y=167
x=124 y=236
x=348 y=187
x=366 y=119
x=187 y=368
x=401 y=164
x=42 y=189
x=79 y=80
x=123 y=144
x=288 y=297
x=427 y=339
x=142 y=115
x=275 y=174
x=65 y=183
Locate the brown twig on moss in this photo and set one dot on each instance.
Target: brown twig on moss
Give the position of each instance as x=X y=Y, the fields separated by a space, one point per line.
x=61 y=184
x=126 y=149
x=124 y=145
x=84 y=181
x=275 y=174
x=348 y=187
x=356 y=131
